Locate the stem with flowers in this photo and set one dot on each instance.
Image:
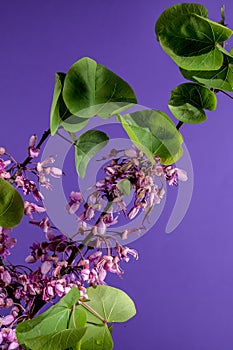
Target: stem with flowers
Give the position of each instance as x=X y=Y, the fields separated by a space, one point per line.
x=69 y=272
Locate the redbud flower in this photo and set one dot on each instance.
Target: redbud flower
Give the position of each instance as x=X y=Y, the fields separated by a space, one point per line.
x=2 y=151
x=30 y=208
x=75 y=200
x=7 y=320
x=33 y=152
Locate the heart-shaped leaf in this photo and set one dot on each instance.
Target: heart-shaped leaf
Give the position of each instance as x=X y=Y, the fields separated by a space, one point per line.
x=221 y=79
x=192 y=41
x=11 y=205
x=112 y=304
x=91 y=89
x=154 y=133
x=188 y=101
x=52 y=324
x=87 y=146
x=175 y=11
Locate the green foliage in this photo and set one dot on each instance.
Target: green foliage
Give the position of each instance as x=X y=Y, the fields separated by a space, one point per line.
x=88 y=145
x=52 y=324
x=221 y=79
x=88 y=89
x=55 y=116
x=190 y=39
x=188 y=101
x=69 y=325
x=59 y=114
x=124 y=186
x=11 y=205
x=112 y=304
x=91 y=89
x=97 y=337
x=171 y=13
x=60 y=340
x=154 y=133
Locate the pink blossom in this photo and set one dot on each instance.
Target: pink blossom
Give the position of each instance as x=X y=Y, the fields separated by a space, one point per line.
x=30 y=208
x=7 y=320
x=2 y=151
x=45 y=267
x=33 y=152
x=133 y=212
x=43 y=168
x=14 y=346
x=182 y=174
x=101 y=227
x=3 y=173
x=75 y=200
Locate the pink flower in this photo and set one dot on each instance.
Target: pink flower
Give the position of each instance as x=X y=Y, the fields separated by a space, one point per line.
x=3 y=173
x=45 y=267
x=101 y=227
x=30 y=208
x=75 y=200
x=124 y=251
x=42 y=168
x=133 y=212
x=182 y=174
x=14 y=346
x=33 y=152
x=7 y=320
x=2 y=151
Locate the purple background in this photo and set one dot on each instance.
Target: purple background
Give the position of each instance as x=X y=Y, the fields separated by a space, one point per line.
x=183 y=282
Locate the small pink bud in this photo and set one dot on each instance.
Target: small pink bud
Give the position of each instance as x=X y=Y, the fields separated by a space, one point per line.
x=2 y=151
x=14 y=346
x=101 y=227
x=59 y=289
x=45 y=267
x=30 y=259
x=182 y=174
x=55 y=172
x=6 y=277
x=32 y=141
x=131 y=153
x=133 y=212
x=9 y=302
x=50 y=291
x=7 y=320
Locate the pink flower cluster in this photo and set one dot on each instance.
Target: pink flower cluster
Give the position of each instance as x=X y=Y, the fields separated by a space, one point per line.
x=62 y=262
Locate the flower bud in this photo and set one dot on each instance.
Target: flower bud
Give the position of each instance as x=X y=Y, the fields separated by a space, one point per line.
x=7 y=320
x=2 y=151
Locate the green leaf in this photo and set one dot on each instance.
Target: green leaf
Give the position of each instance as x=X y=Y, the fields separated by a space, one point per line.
x=154 y=133
x=60 y=114
x=11 y=205
x=188 y=101
x=50 y=322
x=175 y=11
x=55 y=112
x=88 y=145
x=60 y=340
x=221 y=79
x=112 y=304
x=91 y=89
x=124 y=186
x=97 y=337
x=78 y=318
x=192 y=41
x=74 y=123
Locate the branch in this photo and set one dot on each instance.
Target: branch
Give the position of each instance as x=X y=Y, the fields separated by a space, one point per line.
x=28 y=159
